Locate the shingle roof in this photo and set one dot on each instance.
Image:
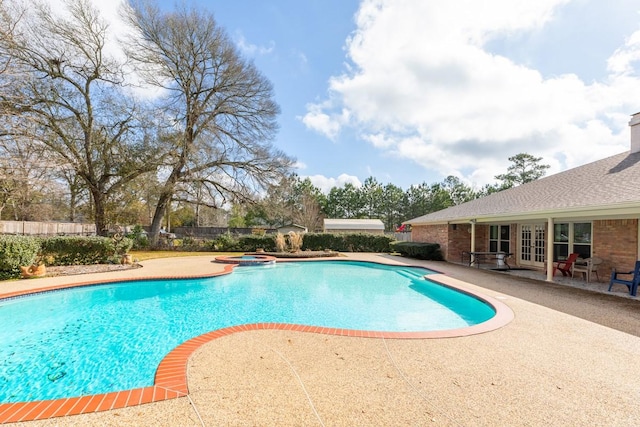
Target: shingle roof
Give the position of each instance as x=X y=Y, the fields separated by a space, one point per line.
x=606 y=187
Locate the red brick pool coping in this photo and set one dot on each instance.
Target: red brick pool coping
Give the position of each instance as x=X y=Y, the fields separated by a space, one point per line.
x=171 y=376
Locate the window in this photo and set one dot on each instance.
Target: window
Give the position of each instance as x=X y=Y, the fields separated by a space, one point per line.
x=499 y=238
x=582 y=239
x=571 y=237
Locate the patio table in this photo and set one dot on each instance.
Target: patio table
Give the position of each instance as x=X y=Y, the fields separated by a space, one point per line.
x=479 y=257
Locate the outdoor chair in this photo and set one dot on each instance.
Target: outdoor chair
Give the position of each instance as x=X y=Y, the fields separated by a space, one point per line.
x=632 y=284
x=566 y=265
x=587 y=268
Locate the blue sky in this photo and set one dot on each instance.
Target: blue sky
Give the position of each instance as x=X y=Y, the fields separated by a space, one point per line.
x=411 y=91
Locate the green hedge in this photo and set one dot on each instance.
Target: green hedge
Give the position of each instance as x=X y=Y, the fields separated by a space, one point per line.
x=426 y=251
x=342 y=242
x=16 y=251
x=83 y=250
x=347 y=242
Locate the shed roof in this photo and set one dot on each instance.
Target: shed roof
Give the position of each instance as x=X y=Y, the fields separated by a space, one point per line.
x=607 y=188
x=353 y=224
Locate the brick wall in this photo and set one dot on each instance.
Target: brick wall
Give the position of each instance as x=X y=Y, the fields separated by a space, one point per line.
x=453 y=238
x=616 y=242
x=459 y=241
x=482 y=238
x=431 y=234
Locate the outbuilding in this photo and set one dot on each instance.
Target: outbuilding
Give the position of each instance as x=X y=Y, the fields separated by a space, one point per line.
x=334 y=225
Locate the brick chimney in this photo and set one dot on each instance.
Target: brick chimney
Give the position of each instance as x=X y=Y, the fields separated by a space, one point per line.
x=634 y=124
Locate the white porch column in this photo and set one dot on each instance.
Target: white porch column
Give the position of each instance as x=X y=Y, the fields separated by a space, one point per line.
x=473 y=235
x=549 y=256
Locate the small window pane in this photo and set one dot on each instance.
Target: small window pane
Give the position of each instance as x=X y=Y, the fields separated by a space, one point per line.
x=493 y=246
x=561 y=232
x=582 y=233
x=504 y=232
x=560 y=252
x=583 y=250
x=493 y=232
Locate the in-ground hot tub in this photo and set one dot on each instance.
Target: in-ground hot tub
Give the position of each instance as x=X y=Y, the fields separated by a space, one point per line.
x=246 y=259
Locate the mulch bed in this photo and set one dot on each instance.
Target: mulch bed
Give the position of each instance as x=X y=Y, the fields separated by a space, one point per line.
x=69 y=270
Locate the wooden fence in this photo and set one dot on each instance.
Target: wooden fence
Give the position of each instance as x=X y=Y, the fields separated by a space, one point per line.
x=33 y=228
x=213 y=232
x=403 y=236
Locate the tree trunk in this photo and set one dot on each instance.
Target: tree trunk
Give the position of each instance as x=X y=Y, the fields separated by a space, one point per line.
x=99 y=212
x=72 y=207
x=161 y=207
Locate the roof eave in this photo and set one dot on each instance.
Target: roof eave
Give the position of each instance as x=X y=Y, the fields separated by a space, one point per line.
x=622 y=210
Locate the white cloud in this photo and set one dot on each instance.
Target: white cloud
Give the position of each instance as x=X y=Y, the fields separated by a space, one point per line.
x=251 y=49
x=299 y=165
x=109 y=13
x=325 y=184
x=624 y=58
x=316 y=119
x=422 y=85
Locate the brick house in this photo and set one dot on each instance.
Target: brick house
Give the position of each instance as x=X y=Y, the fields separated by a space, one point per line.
x=593 y=210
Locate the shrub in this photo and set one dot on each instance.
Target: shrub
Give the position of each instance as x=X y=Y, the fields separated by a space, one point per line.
x=224 y=242
x=193 y=244
x=426 y=251
x=16 y=251
x=84 y=250
x=280 y=242
x=295 y=241
x=139 y=237
x=322 y=241
x=252 y=242
x=347 y=242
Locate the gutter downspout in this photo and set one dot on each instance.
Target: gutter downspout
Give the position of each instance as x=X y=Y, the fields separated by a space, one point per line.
x=549 y=250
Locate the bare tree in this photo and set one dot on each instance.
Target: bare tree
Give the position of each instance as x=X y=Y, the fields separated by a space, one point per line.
x=9 y=17
x=220 y=108
x=68 y=94
x=25 y=179
x=76 y=189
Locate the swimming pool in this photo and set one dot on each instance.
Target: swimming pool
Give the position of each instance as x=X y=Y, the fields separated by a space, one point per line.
x=111 y=337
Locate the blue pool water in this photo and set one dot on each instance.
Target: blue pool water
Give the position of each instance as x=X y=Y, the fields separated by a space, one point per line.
x=112 y=337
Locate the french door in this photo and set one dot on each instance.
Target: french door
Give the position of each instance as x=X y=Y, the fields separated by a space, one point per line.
x=532 y=245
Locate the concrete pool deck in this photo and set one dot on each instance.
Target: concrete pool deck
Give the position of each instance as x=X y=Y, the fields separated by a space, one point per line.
x=570 y=357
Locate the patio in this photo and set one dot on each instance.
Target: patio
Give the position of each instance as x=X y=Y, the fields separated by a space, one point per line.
x=568 y=358
x=578 y=282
